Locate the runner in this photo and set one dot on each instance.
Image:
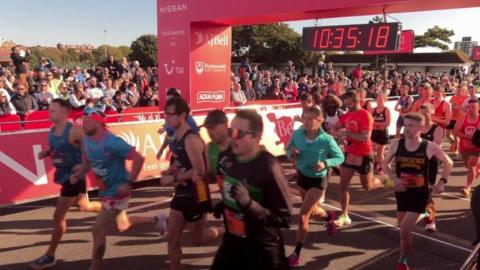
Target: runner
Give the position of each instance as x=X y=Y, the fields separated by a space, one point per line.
x=464 y=129
x=65 y=141
x=187 y=171
x=381 y=118
x=412 y=175
x=433 y=133
x=443 y=111
x=358 y=158
x=425 y=96
x=314 y=151
x=364 y=104
x=256 y=202
x=457 y=111
x=106 y=153
x=403 y=106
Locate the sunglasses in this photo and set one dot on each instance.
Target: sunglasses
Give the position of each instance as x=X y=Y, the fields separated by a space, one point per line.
x=236 y=133
x=169 y=113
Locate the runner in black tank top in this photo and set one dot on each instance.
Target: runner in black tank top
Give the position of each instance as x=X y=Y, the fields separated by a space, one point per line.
x=381 y=118
x=413 y=156
x=188 y=170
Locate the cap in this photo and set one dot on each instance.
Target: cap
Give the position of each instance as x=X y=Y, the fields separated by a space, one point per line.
x=214 y=118
x=95 y=114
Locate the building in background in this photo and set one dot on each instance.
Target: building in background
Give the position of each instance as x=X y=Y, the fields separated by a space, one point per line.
x=85 y=48
x=466 y=45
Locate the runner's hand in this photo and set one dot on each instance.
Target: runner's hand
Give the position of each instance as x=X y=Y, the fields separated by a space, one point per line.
x=320 y=166
x=167 y=179
x=159 y=154
x=75 y=177
x=240 y=193
x=43 y=154
x=294 y=152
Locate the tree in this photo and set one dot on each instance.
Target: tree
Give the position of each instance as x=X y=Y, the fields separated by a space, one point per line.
x=272 y=44
x=124 y=51
x=434 y=37
x=144 y=49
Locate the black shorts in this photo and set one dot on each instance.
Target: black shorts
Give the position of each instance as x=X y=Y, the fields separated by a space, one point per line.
x=451 y=125
x=307 y=183
x=413 y=200
x=237 y=253
x=365 y=168
x=380 y=136
x=69 y=190
x=184 y=201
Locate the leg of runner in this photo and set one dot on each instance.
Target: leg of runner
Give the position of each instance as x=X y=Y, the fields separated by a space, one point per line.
x=86 y=205
x=308 y=207
x=471 y=165
x=125 y=222
x=104 y=219
x=430 y=220
x=203 y=234
x=176 y=224
x=407 y=221
x=475 y=207
x=370 y=182
x=346 y=175
x=376 y=164
x=380 y=158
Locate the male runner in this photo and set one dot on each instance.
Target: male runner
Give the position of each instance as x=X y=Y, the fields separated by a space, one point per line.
x=443 y=110
x=191 y=201
x=457 y=110
x=358 y=123
x=65 y=141
x=412 y=160
x=106 y=153
x=256 y=203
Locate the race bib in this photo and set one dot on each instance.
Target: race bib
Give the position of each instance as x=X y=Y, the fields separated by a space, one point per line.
x=354 y=160
x=235 y=223
x=412 y=180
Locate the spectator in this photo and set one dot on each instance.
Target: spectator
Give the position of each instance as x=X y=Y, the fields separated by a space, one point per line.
x=3 y=90
x=6 y=107
x=20 y=60
x=148 y=99
x=132 y=94
x=93 y=91
x=45 y=64
x=291 y=90
x=106 y=106
x=357 y=73
x=277 y=94
x=111 y=66
x=120 y=102
x=238 y=96
x=78 y=98
x=302 y=85
x=124 y=67
x=23 y=102
x=110 y=88
x=249 y=92
x=43 y=97
x=63 y=92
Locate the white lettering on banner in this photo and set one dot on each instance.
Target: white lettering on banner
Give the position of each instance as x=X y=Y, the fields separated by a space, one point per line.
x=211 y=40
x=172 y=33
x=134 y=140
x=40 y=178
x=149 y=144
x=201 y=67
x=171 y=68
x=173 y=8
x=210 y=96
x=148 y=116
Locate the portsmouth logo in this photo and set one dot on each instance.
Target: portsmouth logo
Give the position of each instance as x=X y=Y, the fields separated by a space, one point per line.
x=199 y=67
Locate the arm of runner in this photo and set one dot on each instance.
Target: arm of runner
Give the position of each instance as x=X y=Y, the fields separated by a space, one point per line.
x=438 y=136
x=76 y=136
x=388 y=170
x=79 y=170
x=457 y=131
x=444 y=121
x=335 y=153
x=410 y=104
x=365 y=127
x=195 y=148
x=434 y=149
x=137 y=163
x=397 y=106
x=388 y=118
x=276 y=197
x=292 y=150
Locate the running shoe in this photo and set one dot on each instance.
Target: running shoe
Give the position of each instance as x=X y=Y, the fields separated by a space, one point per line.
x=402 y=266
x=342 y=220
x=431 y=213
x=331 y=227
x=388 y=184
x=293 y=259
x=431 y=227
x=43 y=262
x=161 y=223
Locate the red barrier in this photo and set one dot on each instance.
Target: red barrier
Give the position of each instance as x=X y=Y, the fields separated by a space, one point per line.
x=36 y=120
x=10 y=123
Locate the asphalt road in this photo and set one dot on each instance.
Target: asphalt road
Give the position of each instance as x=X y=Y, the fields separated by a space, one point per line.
x=370 y=242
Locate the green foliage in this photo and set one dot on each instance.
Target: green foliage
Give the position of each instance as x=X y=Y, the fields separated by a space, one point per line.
x=434 y=37
x=144 y=49
x=272 y=44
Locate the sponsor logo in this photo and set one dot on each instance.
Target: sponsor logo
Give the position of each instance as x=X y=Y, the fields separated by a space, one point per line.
x=211 y=40
x=202 y=67
x=38 y=177
x=283 y=128
x=171 y=68
x=172 y=36
x=173 y=8
x=210 y=96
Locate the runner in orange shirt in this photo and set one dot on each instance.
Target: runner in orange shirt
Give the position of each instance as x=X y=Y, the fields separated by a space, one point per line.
x=457 y=111
x=358 y=124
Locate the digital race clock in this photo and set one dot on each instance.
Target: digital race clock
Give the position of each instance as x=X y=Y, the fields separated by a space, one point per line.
x=361 y=37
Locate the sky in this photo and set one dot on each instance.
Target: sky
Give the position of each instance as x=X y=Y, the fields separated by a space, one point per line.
x=47 y=22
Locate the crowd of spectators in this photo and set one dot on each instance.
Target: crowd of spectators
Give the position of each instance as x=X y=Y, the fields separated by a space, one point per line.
x=249 y=83
x=112 y=86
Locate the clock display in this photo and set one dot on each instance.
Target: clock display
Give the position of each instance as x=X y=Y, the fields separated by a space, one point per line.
x=361 y=37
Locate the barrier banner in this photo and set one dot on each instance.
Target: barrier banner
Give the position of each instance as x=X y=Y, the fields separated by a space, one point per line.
x=26 y=178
